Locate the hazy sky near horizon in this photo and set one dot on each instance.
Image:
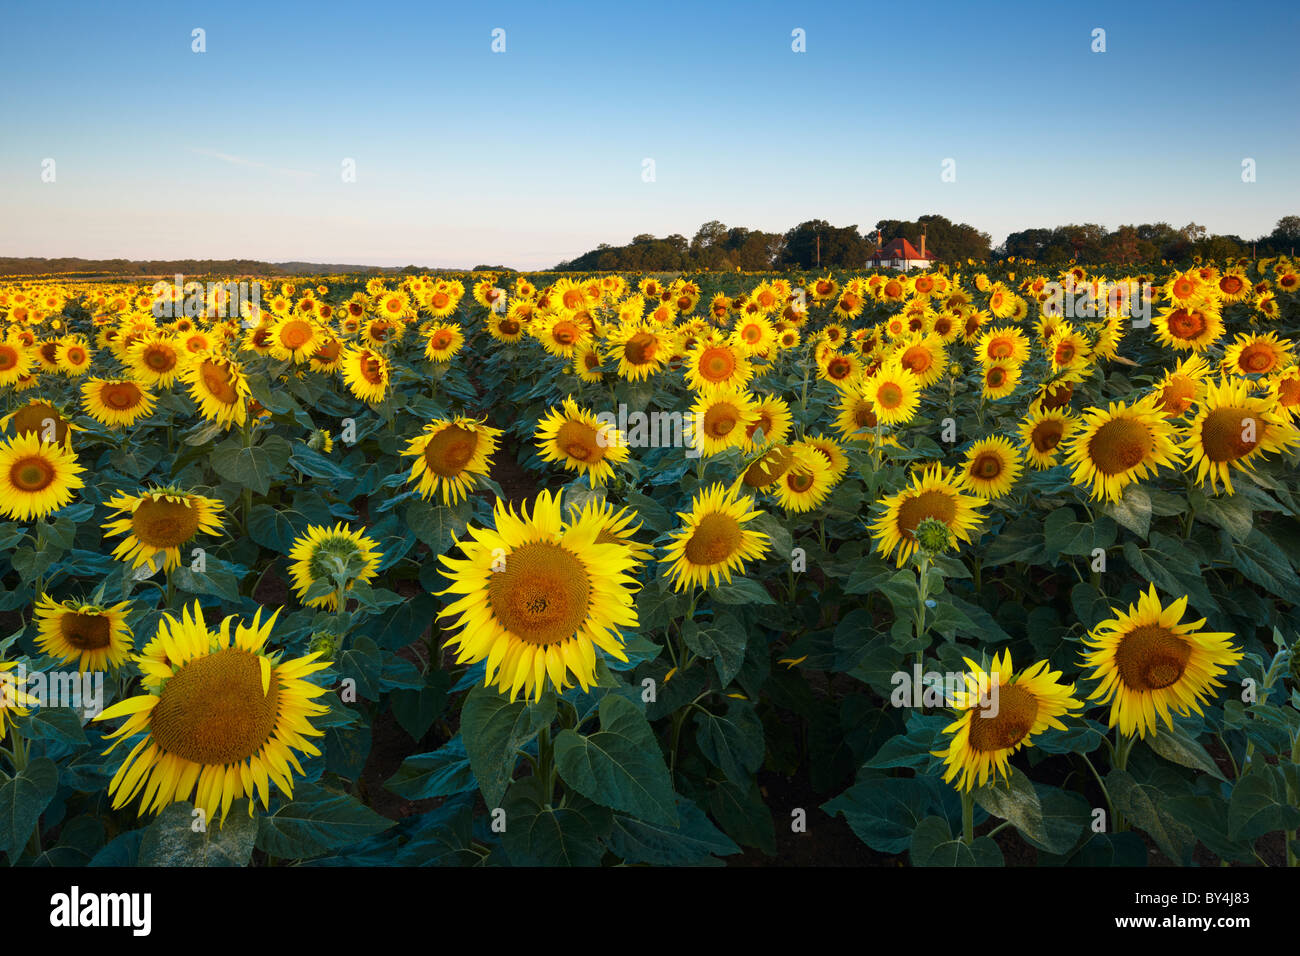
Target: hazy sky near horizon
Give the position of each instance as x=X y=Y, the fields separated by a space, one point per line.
x=527 y=157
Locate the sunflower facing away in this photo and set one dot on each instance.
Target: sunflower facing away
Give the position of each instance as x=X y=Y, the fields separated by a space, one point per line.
x=221 y=721
x=536 y=595
x=36 y=477
x=933 y=494
x=450 y=455
x=331 y=560
x=984 y=737
x=159 y=522
x=1148 y=663
x=95 y=636
x=575 y=437
x=713 y=540
x=1114 y=447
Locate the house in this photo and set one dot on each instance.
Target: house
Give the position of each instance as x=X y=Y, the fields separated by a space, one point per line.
x=898 y=254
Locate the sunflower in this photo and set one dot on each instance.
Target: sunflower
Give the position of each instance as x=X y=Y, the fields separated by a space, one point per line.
x=1116 y=446
x=932 y=494
x=1041 y=435
x=854 y=417
x=156 y=360
x=222 y=721
x=721 y=418
x=367 y=373
x=96 y=637
x=158 y=522
x=584 y=444
x=1148 y=663
x=14 y=702
x=753 y=335
x=836 y=460
x=641 y=350
x=116 y=402
x=295 y=338
x=615 y=526
x=442 y=341
x=924 y=356
x=840 y=369
x=717 y=365
x=36 y=477
x=1232 y=427
x=15 y=360
x=999 y=379
x=333 y=558
x=536 y=595
x=1025 y=705
x=774 y=419
x=1194 y=327
x=587 y=364
x=991 y=467
x=894 y=393
x=807 y=481
x=560 y=334
x=219 y=388
x=73 y=356
x=450 y=455
x=713 y=541
x=1182 y=387
x=1284 y=392
x=41 y=419
x=1257 y=354
x=1067 y=348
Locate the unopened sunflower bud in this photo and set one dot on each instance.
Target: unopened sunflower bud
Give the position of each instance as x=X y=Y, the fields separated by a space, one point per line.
x=933 y=536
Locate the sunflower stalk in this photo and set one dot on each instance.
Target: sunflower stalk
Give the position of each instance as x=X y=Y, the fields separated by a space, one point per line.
x=968 y=817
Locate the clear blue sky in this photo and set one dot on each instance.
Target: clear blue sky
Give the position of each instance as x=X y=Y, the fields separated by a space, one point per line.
x=535 y=155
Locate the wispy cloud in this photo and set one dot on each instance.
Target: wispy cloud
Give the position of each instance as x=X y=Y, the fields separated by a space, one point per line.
x=234 y=160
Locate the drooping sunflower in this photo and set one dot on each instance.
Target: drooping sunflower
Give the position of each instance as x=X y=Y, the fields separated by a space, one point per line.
x=984 y=737
x=1149 y=664
x=1257 y=354
x=450 y=455
x=95 y=636
x=367 y=373
x=1116 y=446
x=219 y=387
x=221 y=718
x=117 y=403
x=1231 y=429
x=933 y=493
x=720 y=419
x=894 y=393
x=713 y=541
x=159 y=522
x=582 y=443
x=991 y=467
x=331 y=555
x=36 y=477
x=536 y=596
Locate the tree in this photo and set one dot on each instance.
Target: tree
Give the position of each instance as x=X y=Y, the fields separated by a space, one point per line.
x=817 y=241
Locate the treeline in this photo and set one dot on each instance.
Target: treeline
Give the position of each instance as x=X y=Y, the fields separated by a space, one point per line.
x=717 y=246
x=29 y=266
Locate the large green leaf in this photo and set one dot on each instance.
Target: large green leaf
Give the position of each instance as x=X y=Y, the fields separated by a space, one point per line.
x=696 y=841
x=733 y=742
x=22 y=800
x=255 y=467
x=721 y=640
x=620 y=766
x=317 y=821
x=494 y=729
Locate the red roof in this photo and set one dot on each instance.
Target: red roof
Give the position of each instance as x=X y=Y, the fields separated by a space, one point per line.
x=900 y=249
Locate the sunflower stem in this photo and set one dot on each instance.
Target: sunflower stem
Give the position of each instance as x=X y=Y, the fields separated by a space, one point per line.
x=968 y=817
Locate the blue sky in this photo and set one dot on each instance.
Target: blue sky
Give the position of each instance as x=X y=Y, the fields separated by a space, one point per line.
x=535 y=155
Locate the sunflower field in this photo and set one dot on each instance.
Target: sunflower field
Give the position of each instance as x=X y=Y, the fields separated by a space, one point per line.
x=990 y=564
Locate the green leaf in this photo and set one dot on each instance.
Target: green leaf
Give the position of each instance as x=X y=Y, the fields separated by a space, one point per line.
x=176 y=838
x=57 y=723
x=416 y=710
x=733 y=743
x=436 y=525
x=1144 y=805
x=1133 y=510
x=620 y=766
x=1231 y=513
x=1261 y=561
x=740 y=591
x=721 y=640
x=494 y=729
x=883 y=811
x=1259 y=805
x=254 y=467
x=934 y=845
x=271 y=528
x=741 y=812
x=1016 y=801
x=441 y=773
x=537 y=835
x=1065 y=535
x=315 y=822
x=1174 y=745
x=22 y=801
x=696 y=841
